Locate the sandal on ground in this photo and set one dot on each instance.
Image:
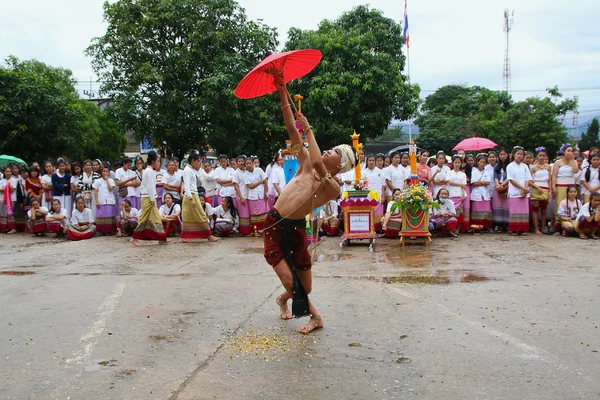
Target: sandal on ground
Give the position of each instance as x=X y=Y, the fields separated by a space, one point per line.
x=595 y=237
x=514 y=234
x=583 y=237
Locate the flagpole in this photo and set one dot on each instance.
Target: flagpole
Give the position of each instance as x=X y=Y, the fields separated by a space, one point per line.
x=407 y=62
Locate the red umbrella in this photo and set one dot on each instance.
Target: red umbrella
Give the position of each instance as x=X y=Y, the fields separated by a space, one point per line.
x=475 y=143
x=293 y=64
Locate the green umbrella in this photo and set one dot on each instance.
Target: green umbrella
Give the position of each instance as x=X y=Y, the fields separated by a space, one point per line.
x=5 y=160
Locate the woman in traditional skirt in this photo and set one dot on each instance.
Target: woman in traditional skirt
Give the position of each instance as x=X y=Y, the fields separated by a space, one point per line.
x=195 y=223
x=540 y=190
x=208 y=182
x=392 y=221
x=76 y=171
x=149 y=224
x=376 y=182
x=499 y=196
x=128 y=219
x=227 y=218
x=258 y=189
x=106 y=221
x=169 y=214
x=568 y=211
x=457 y=182
x=588 y=220
x=57 y=219
x=82 y=222
x=37 y=218
x=125 y=179
x=22 y=204
x=61 y=186
x=563 y=176
x=86 y=186
x=7 y=192
x=519 y=178
x=33 y=185
x=481 y=204
x=138 y=171
x=224 y=179
x=329 y=221
x=240 y=196
x=467 y=167
x=444 y=220
x=160 y=176
x=47 y=184
x=591 y=177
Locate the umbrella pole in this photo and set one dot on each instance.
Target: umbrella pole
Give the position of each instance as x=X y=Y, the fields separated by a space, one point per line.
x=291 y=100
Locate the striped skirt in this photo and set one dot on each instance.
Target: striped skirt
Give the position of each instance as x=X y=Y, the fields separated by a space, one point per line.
x=465 y=225
x=106 y=222
x=38 y=226
x=57 y=227
x=195 y=223
x=7 y=222
x=443 y=224
x=127 y=226
x=244 y=216
x=223 y=228
x=393 y=228
x=258 y=213
x=500 y=214
x=150 y=225
x=20 y=216
x=76 y=233
x=481 y=213
x=459 y=208
x=518 y=209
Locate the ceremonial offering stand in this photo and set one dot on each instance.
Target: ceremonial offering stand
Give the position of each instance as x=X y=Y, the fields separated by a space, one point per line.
x=359 y=217
x=415 y=223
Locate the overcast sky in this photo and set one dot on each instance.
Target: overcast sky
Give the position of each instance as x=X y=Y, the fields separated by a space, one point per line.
x=552 y=43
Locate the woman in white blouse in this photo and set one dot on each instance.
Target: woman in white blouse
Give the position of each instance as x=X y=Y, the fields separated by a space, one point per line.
x=57 y=219
x=227 y=219
x=104 y=199
x=519 y=179
x=86 y=188
x=437 y=174
x=172 y=181
x=150 y=225
x=457 y=182
x=128 y=219
x=257 y=183
x=47 y=184
x=169 y=214
x=208 y=182
x=376 y=182
x=240 y=196
x=195 y=224
x=37 y=218
x=444 y=220
x=82 y=222
x=481 y=201
x=224 y=179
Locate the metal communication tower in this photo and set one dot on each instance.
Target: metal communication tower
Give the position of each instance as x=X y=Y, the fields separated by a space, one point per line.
x=575 y=132
x=509 y=18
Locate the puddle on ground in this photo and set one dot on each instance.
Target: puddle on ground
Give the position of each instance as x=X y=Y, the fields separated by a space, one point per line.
x=334 y=257
x=253 y=250
x=17 y=273
x=439 y=277
x=407 y=257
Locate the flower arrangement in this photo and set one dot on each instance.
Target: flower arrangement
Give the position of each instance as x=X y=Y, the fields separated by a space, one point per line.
x=372 y=197
x=415 y=196
x=360 y=184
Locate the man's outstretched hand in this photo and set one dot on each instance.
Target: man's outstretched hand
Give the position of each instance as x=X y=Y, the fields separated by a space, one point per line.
x=278 y=80
x=301 y=119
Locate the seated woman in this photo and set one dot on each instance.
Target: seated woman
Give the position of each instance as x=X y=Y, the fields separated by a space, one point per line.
x=392 y=221
x=169 y=215
x=227 y=219
x=57 y=219
x=568 y=210
x=82 y=222
x=208 y=209
x=128 y=219
x=328 y=218
x=37 y=218
x=588 y=219
x=444 y=220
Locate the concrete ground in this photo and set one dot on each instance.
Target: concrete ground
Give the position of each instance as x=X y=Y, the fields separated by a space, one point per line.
x=478 y=317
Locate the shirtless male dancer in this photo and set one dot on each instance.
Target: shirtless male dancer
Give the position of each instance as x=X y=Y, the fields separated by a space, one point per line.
x=312 y=186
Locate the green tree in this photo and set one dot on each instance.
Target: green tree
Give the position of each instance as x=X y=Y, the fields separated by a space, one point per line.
x=359 y=83
x=590 y=137
x=393 y=134
x=456 y=112
x=42 y=116
x=172 y=66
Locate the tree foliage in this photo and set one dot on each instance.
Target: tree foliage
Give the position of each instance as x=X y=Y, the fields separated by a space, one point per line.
x=359 y=83
x=590 y=137
x=457 y=112
x=42 y=116
x=172 y=66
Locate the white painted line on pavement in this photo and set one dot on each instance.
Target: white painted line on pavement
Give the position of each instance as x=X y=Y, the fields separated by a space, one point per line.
x=532 y=350
x=91 y=338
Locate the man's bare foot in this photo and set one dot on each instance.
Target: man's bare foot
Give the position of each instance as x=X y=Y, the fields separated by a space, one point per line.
x=538 y=232
x=164 y=241
x=284 y=310
x=135 y=242
x=315 y=322
x=213 y=238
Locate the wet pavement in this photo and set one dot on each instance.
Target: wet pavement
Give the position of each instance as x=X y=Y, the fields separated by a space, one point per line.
x=482 y=317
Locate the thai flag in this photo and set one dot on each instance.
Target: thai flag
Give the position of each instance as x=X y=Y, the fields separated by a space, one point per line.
x=406 y=33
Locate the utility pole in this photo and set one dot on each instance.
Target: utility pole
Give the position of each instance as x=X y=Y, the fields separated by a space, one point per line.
x=575 y=131
x=509 y=18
